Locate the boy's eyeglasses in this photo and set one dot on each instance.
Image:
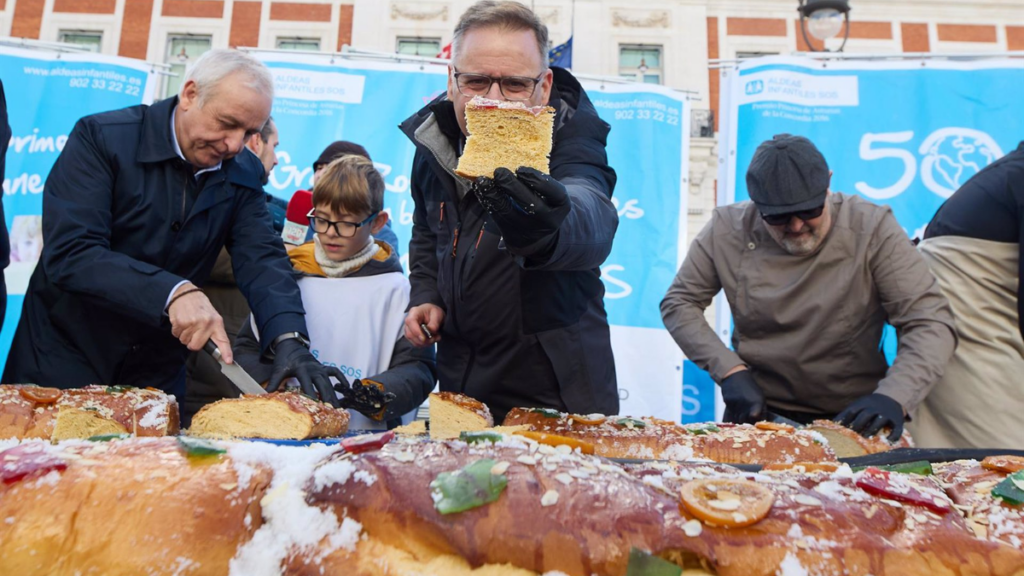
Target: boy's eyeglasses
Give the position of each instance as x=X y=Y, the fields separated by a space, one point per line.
x=511 y=87
x=341 y=228
x=782 y=219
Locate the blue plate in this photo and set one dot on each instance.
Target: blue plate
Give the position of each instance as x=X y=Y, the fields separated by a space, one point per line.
x=327 y=441
x=310 y=442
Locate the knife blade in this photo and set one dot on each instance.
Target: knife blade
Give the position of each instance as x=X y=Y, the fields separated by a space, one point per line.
x=233 y=372
x=773 y=417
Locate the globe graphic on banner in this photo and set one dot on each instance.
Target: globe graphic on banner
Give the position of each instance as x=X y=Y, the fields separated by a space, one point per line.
x=953 y=156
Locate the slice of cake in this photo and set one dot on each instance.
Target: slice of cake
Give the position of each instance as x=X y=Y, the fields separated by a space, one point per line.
x=848 y=444
x=278 y=416
x=99 y=410
x=505 y=135
x=452 y=413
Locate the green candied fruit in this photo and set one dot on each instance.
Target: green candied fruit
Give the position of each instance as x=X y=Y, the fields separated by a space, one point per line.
x=703 y=430
x=1011 y=490
x=195 y=448
x=480 y=436
x=546 y=412
x=643 y=564
x=468 y=488
x=108 y=437
x=118 y=389
x=631 y=423
x=922 y=467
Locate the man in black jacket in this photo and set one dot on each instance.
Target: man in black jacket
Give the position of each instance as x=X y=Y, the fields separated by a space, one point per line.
x=136 y=208
x=505 y=272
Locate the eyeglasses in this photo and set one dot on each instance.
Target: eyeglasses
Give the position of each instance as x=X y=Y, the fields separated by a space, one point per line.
x=511 y=87
x=783 y=219
x=341 y=228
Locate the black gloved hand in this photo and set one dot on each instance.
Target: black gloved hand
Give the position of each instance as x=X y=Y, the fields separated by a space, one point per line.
x=293 y=360
x=869 y=414
x=744 y=401
x=366 y=397
x=527 y=206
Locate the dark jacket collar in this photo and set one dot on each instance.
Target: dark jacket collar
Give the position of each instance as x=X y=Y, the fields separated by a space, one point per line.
x=155 y=145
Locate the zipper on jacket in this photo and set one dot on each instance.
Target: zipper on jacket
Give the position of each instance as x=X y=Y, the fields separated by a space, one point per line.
x=440 y=221
x=455 y=242
x=469 y=369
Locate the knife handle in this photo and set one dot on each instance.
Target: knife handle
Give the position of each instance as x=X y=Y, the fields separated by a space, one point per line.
x=212 y=349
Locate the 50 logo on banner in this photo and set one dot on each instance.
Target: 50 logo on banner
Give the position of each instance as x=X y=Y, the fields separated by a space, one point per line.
x=949 y=157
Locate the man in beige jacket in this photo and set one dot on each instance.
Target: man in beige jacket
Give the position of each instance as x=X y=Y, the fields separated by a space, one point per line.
x=811 y=277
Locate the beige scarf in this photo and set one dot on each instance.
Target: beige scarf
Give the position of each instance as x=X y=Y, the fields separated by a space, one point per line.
x=347 y=266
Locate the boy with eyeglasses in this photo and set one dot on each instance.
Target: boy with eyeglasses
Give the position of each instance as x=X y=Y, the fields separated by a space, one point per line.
x=811 y=277
x=355 y=295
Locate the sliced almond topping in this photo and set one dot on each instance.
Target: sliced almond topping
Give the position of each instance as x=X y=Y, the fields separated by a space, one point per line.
x=550 y=498
x=500 y=468
x=693 y=528
x=728 y=505
x=563 y=478
x=528 y=460
x=807 y=500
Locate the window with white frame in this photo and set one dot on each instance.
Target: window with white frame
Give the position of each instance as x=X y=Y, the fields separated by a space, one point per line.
x=641 y=62
x=417 y=46
x=293 y=43
x=87 y=39
x=182 y=52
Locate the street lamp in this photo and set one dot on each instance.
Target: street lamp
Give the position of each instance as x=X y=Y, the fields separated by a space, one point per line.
x=824 y=19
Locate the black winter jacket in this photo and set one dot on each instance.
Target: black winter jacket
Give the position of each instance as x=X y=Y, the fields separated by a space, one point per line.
x=520 y=329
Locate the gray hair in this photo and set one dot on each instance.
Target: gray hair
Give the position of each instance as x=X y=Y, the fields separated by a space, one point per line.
x=216 y=65
x=505 y=14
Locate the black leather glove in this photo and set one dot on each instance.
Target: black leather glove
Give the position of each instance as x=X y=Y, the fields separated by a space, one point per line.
x=293 y=360
x=744 y=401
x=869 y=414
x=366 y=397
x=527 y=206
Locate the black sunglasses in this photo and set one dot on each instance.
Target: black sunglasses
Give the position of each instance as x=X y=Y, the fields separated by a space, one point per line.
x=782 y=219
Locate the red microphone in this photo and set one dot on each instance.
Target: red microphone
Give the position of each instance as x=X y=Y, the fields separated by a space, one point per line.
x=296 y=224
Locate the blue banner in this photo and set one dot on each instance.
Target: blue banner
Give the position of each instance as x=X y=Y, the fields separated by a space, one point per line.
x=906 y=134
x=318 y=101
x=46 y=94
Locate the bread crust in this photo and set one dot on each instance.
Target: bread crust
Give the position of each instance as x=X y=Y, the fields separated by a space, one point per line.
x=820 y=522
x=136 y=411
x=125 y=508
x=651 y=438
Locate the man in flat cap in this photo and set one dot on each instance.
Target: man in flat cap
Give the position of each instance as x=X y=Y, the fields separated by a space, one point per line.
x=811 y=277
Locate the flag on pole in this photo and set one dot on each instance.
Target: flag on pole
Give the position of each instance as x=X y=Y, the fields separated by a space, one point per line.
x=561 y=55
x=446 y=52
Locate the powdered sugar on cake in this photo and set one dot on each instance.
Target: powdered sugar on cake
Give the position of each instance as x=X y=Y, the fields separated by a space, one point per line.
x=480 y=102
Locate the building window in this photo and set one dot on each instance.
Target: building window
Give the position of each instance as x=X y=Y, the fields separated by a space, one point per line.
x=91 y=41
x=429 y=47
x=182 y=53
x=306 y=44
x=641 y=62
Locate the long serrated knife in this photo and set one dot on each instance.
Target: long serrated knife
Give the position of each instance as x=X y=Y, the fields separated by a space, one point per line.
x=235 y=373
